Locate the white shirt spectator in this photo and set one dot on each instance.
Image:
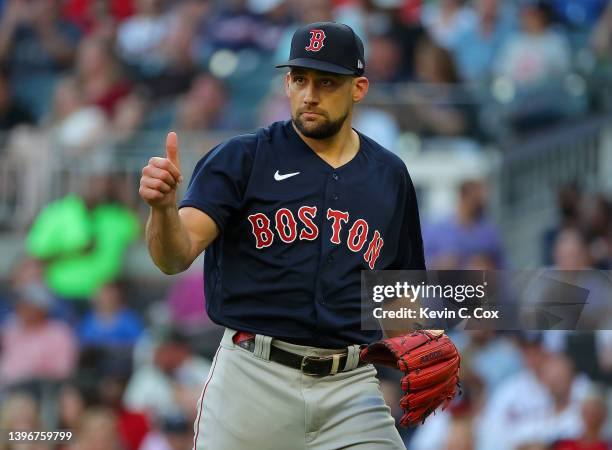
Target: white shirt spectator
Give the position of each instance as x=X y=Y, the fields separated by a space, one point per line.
x=155 y=392
x=140 y=37
x=82 y=129
x=445 y=32
x=522 y=411
x=528 y=59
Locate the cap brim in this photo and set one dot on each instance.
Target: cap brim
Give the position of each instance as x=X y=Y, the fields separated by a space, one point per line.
x=324 y=66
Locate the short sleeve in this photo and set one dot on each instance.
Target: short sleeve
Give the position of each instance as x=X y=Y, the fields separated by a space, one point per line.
x=219 y=181
x=410 y=254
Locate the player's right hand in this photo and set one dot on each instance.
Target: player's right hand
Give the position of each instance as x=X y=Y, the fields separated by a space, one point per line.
x=161 y=177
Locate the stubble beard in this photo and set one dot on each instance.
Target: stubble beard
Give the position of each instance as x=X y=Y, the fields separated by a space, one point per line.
x=321 y=130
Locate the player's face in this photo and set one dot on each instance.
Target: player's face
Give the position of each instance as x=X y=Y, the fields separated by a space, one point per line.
x=321 y=101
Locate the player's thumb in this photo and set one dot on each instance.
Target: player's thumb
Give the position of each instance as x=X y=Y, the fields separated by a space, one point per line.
x=172 y=149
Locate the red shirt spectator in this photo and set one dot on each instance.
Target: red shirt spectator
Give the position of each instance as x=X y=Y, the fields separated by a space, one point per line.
x=89 y=15
x=577 y=445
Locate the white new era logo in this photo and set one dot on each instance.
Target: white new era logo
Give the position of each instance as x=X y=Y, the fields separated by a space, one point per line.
x=359 y=64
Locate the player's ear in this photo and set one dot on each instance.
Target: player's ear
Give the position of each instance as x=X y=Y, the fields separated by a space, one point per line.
x=287 y=82
x=359 y=88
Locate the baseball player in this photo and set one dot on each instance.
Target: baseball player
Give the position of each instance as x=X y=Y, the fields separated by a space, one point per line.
x=289 y=215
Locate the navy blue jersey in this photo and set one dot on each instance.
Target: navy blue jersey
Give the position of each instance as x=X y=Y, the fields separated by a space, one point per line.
x=295 y=234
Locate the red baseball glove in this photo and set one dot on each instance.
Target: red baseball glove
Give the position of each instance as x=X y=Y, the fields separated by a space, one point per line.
x=430 y=363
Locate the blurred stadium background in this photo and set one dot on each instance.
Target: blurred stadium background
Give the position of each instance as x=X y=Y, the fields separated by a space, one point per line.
x=502 y=111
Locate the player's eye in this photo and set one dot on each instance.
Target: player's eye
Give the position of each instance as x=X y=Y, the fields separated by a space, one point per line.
x=298 y=80
x=328 y=83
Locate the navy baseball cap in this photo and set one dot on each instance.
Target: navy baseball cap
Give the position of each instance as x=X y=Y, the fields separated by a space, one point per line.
x=327 y=46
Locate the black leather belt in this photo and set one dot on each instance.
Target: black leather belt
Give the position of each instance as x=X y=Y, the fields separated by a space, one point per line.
x=319 y=366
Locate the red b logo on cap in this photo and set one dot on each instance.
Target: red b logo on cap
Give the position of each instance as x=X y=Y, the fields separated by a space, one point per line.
x=316 y=40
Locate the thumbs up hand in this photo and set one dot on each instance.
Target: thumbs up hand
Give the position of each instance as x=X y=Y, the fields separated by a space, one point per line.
x=161 y=177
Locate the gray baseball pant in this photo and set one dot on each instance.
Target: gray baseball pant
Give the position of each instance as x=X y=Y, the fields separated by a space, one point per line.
x=251 y=403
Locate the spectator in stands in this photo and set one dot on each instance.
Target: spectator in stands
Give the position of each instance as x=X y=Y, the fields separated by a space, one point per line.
x=476 y=47
x=129 y=117
x=578 y=14
x=460 y=435
x=491 y=357
x=110 y=323
x=132 y=426
x=99 y=74
x=140 y=37
x=98 y=18
x=33 y=345
x=71 y=405
x=593 y=412
x=397 y=20
x=384 y=60
x=25 y=271
x=569 y=199
x=35 y=45
x=176 y=63
x=11 y=112
x=77 y=128
x=598 y=231
x=29 y=270
x=186 y=302
x=451 y=243
x=242 y=25
x=446 y=20
x=532 y=446
x=171 y=383
x=564 y=420
x=204 y=107
x=97 y=431
x=20 y=412
x=601 y=40
x=440 y=105
x=570 y=251
x=273 y=17
x=175 y=433
x=546 y=408
x=537 y=52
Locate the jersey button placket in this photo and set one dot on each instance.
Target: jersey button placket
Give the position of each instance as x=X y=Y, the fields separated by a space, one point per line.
x=329 y=259
x=335 y=195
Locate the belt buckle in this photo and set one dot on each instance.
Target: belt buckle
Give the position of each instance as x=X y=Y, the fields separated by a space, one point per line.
x=305 y=360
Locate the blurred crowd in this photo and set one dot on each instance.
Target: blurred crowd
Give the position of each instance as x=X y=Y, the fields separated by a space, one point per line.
x=580 y=238
x=87 y=69
x=92 y=86
x=118 y=376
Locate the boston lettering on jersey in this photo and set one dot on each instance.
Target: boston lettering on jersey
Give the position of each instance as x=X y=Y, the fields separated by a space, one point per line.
x=295 y=234
x=286 y=228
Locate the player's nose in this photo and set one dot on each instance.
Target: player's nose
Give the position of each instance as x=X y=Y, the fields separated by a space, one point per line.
x=311 y=95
